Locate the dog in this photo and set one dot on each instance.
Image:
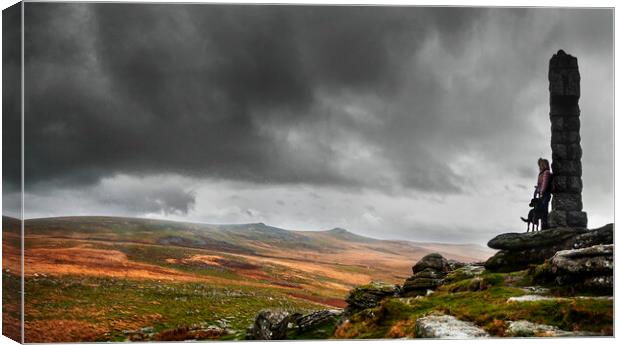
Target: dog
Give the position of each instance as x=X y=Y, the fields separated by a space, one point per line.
x=534 y=216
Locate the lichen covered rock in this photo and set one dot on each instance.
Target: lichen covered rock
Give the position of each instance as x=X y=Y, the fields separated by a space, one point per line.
x=446 y=327
x=432 y=261
x=427 y=275
x=524 y=328
x=602 y=235
x=588 y=268
x=271 y=325
x=462 y=273
x=369 y=295
x=417 y=283
x=520 y=241
x=595 y=259
x=520 y=250
x=317 y=318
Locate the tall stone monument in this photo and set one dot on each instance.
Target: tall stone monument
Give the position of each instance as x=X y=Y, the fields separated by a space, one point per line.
x=564 y=90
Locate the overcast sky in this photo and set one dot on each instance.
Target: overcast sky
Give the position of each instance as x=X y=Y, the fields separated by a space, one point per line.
x=392 y=122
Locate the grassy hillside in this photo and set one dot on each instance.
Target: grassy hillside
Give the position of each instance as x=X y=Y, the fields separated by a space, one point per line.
x=485 y=301
x=101 y=277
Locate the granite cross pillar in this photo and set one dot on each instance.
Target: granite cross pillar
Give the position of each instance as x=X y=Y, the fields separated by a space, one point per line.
x=564 y=90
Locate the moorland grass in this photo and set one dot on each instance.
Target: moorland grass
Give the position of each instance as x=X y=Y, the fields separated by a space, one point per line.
x=486 y=307
x=114 y=303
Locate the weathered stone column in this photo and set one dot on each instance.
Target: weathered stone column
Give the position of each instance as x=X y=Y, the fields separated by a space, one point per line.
x=564 y=90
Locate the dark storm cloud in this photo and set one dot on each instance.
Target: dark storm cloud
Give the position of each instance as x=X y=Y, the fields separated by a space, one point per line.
x=386 y=98
x=11 y=99
x=188 y=89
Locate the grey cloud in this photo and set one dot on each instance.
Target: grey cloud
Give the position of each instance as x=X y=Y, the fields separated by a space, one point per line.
x=169 y=200
x=161 y=195
x=402 y=101
x=11 y=100
x=142 y=89
x=118 y=195
x=443 y=234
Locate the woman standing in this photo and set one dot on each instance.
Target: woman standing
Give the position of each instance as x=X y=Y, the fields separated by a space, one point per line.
x=543 y=189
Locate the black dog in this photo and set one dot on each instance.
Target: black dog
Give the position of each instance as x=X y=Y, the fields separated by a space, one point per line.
x=534 y=216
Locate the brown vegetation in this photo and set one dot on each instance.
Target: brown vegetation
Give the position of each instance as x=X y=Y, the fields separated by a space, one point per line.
x=302 y=276
x=45 y=331
x=97 y=262
x=332 y=302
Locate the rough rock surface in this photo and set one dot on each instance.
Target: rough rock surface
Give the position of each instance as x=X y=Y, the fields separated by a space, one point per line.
x=536 y=298
x=521 y=241
x=369 y=295
x=592 y=260
x=454 y=265
x=427 y=275
x=317 y=318
x=433 y=261
x=447 y=327
x=602 y=235
x=270 y=325
x=536 y=290
x=590 y=267
x=600 y=283
x=273 y=325
x=519 y=250
x=465 y=272
x=524 y=328
x=533 y=298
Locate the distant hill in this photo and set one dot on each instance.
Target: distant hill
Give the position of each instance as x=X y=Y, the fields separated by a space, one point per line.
x=253 y=238
x=345 y=235
x=327 y=262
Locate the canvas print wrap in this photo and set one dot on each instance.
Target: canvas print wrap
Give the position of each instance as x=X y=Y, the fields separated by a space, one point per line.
x=12 y=244
x=178 y=172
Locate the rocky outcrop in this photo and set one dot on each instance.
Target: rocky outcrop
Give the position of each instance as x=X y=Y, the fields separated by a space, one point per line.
x=521 y=241
x=427 y=275
x=466 y=272
x=274 y=325
x=591 y=267
x=587 y=261
x=433 y=261
x=446 y=327
x=603 y=235
x=455 y=265
x=369 y=295
x=519 y=250
x=538 y=298
x=316 y=319
x=270 y=325
x=524 y=328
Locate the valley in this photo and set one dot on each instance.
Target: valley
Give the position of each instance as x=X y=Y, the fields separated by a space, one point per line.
x=102 y=277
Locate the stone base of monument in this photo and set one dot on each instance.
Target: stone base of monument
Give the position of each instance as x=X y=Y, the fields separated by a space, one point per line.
x=519 y=250
x=575 y=219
